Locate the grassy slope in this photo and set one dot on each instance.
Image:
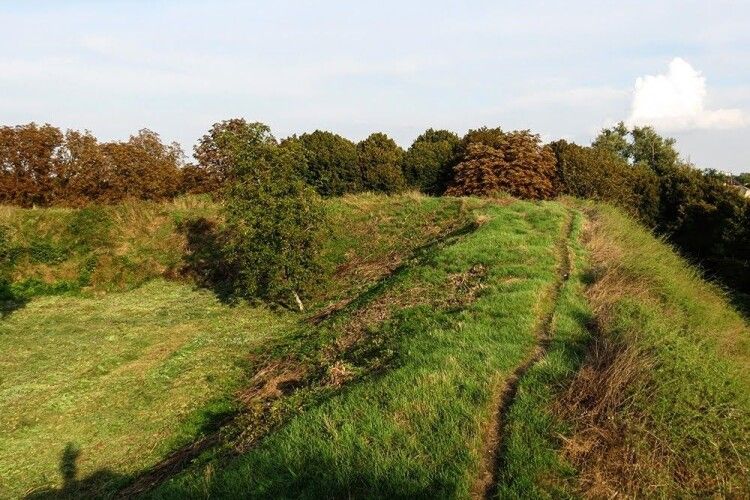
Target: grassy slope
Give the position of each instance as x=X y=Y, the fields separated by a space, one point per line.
x=678 y=357
x=417 y=427
x=643 y=388
x=657 y=404
x=124 y=377
x=116 y=377
x=118 y=248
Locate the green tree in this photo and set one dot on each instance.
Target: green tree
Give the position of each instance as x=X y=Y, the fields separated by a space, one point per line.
x=226 y=140
x=331 y=163
x=639 y=145
x=273 y=224
x=743 y=178
x=615 y=139
x=379 y=159
x=428 y=162
x=601 y=174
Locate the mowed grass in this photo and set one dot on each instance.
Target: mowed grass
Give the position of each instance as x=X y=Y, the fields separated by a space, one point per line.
x=106 y=367
x=415 y=427
x=121 y=379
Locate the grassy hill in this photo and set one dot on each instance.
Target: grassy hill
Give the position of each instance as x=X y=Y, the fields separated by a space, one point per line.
x=458 y=348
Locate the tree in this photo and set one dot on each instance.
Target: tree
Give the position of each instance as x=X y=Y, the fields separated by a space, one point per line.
x=141 y=168
x=639 y=145
x=601 y=174
x=379 y=159
x=86 y=174
x=331 y=163
x=218 y=148
x=197 y=180
x=273 y=223
x=492 y=160
x=614 y=139
x=29 y=164
x=428 y=162
x=743 y=178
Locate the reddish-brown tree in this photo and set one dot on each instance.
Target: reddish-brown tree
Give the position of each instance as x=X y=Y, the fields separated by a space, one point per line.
x=493 y=161
x=29 y=164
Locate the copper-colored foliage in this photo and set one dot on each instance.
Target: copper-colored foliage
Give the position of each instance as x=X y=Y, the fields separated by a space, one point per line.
x=39 y=165
x=494 y=161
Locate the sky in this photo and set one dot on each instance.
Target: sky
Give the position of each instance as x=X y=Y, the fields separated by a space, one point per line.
x=562 y=69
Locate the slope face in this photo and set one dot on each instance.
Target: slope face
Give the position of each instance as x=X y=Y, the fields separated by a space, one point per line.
x=106 y=367
x=442 y=338
x=661 y=406
x=645 y=391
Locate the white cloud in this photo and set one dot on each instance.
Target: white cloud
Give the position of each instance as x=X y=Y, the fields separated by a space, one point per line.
x=677 y=101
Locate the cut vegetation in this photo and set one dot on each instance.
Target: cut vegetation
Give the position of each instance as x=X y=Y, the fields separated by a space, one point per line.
x=456 y=348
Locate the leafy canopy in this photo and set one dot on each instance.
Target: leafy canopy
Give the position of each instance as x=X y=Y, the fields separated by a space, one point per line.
x=273 y=223
x=428 y=162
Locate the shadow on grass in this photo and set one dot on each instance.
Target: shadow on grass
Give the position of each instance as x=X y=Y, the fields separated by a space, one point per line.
x=9 y=301
x=77 y=488
x=204 y=259
x=105 y=483
x=741 y=302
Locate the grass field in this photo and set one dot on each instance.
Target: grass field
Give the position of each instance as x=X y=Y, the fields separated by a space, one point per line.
x=108 y=366
x=456 y=348
x=120 y=379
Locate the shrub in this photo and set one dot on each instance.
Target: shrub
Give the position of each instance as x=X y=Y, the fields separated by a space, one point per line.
x=273 y=224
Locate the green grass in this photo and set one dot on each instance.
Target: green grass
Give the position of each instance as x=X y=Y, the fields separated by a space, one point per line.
x=123 y=378
x=416 y=427
x=532 y=466
x=111 y=358
x=106 y=365
x=685 y=413
x=652 y=399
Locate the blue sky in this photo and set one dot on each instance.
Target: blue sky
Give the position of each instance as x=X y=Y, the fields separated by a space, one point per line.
x=562 y=69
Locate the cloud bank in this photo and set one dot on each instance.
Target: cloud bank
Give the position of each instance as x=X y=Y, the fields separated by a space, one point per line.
x=677 y=101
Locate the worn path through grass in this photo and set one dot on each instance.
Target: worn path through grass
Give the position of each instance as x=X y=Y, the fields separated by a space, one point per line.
x=410 y=391
x=496 y=440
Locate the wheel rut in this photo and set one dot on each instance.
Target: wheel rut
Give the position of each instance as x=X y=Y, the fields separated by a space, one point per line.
x=493 y=458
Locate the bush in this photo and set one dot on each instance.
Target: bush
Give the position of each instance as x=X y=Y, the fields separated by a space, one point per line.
x=273 y=224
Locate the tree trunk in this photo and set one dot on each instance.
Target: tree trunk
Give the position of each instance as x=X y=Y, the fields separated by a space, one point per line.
x=299 y=302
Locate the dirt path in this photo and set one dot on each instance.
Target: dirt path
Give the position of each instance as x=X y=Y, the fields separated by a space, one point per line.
x=495 y=443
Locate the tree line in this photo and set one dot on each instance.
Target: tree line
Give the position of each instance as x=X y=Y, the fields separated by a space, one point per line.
x=701 y=212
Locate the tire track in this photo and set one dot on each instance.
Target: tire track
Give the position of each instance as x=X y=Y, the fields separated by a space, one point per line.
x=493 y=458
